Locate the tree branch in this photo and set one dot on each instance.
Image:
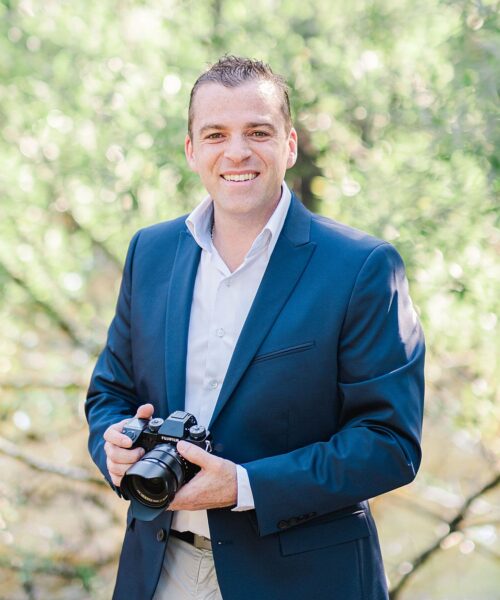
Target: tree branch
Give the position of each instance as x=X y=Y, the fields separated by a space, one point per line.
x=37 y=385
x=409 y=503
x=44 y=268
x=306 y=170
x=76 y=473
x=54 y=316
x=72 y=223
x=487 y=551
x=37 y=564
x=454 y=525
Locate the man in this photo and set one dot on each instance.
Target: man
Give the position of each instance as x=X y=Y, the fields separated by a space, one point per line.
x=293 y=338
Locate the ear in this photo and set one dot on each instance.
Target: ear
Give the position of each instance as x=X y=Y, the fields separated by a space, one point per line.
x=189 y=152
x=292 y=148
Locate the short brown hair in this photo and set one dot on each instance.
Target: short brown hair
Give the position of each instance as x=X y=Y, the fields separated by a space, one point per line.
x=232 y=71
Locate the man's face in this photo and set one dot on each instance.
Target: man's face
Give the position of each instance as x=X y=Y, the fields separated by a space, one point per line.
x=240 y=147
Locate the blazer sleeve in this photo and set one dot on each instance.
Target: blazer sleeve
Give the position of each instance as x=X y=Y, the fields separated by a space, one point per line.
x=112 y=396
x=380 y=388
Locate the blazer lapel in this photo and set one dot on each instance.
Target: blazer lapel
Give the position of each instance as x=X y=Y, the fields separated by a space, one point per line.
x=288 y=261
x=180 y=296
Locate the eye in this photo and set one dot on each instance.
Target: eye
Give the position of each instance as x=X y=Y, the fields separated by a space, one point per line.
x=259 y=134
x=213 y=136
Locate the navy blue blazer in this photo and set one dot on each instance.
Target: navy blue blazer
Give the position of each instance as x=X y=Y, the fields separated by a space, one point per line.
x=322 y=404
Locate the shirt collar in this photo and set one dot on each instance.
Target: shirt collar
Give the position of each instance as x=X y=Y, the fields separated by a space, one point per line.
x=199 y=222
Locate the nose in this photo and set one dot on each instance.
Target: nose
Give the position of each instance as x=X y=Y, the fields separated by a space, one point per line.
x=237 y=149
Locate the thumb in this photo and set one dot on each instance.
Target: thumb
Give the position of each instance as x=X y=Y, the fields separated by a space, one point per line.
x=194 y=454
x=145 y=411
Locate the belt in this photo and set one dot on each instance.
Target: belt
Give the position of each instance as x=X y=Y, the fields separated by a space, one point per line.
x=198 y=541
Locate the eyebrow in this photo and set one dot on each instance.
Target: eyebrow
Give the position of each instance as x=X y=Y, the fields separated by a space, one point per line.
x=218 y=127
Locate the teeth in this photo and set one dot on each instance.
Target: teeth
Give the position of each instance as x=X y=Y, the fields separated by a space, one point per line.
x=242 y=177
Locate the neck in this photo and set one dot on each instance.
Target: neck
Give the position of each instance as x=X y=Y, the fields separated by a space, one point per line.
x=233 y=236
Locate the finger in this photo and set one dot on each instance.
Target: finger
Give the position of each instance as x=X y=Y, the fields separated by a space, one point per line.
x=145 y=411
x=186 y=496
x=114 y=436
x=196 y=455
x=116 y=469
x=209 y=489
x=122 y=455
x=116 y=480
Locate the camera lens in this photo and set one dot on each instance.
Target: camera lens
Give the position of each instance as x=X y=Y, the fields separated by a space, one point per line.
x=154 y=486
x=151 y=492
x=154 y=480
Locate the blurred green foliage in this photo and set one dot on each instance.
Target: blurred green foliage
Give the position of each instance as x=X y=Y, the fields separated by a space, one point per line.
x=395 y=102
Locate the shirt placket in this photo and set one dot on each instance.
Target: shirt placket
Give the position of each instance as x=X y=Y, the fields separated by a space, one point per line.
x=220 y=338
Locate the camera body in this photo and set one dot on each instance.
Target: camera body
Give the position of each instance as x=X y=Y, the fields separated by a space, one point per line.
x=152 y=482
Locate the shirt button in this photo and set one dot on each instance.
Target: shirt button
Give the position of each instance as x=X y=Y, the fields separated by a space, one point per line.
x=220 y=332
x=213 y=384
x=227 y=283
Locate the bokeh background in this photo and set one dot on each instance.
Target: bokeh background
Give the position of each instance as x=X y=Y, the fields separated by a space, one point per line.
x=395 y=105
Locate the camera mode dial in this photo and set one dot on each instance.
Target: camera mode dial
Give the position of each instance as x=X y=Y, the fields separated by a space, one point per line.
x=155 y=424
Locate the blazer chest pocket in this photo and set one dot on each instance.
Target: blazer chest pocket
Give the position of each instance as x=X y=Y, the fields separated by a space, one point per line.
x=283 y=352
x=321 y=535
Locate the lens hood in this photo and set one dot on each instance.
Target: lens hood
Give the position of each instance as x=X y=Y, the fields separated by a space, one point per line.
x=151 y=483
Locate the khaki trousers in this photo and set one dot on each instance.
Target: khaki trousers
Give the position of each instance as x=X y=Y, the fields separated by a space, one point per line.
x=188 y=573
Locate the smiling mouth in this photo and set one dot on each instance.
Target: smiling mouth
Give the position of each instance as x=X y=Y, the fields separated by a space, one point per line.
x=240 y=177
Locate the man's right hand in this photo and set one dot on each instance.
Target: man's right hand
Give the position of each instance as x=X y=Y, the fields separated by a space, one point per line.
x=117 y=447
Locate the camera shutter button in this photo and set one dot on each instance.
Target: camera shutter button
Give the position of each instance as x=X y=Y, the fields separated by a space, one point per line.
x=197 y=432
x=155 y=424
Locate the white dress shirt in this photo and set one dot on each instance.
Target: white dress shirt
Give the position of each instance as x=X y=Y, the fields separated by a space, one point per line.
x=221 y=303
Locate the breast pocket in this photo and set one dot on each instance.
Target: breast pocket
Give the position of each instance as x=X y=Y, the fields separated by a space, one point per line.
x=313 y=536
x=284 y=352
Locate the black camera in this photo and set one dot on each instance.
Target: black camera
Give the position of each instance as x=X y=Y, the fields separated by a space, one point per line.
x=152 y=482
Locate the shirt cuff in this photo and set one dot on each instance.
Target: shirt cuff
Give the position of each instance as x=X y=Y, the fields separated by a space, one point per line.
x=245 y=496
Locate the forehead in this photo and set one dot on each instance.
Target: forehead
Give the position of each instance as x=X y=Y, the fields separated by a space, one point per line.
x=252 y=101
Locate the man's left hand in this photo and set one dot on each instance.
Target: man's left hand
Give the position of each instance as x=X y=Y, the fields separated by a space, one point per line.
x=215 y=486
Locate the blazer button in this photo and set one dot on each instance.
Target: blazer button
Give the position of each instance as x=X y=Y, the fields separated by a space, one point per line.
x=161 y=534
x=282 y=524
